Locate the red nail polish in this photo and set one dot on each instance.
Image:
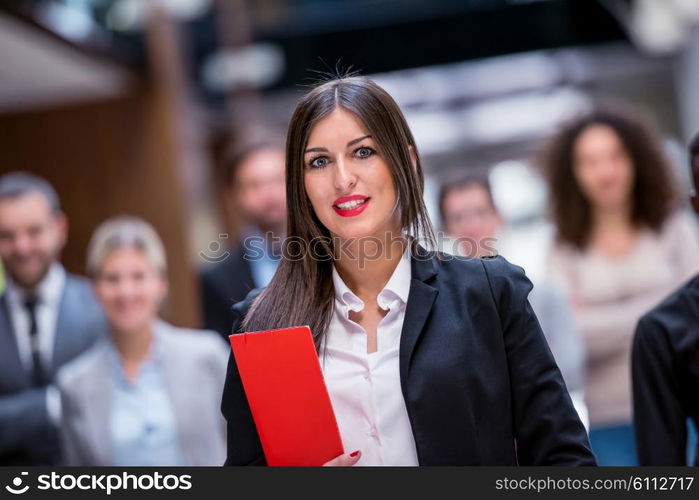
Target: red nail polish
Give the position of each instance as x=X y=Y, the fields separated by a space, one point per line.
x=354 y=453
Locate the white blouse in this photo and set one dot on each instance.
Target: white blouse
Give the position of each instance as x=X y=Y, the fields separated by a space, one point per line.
x=365 y=388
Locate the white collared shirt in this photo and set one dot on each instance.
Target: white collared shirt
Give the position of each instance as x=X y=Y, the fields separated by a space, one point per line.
x=365 y=388
x=142 y=424
x=49 y=292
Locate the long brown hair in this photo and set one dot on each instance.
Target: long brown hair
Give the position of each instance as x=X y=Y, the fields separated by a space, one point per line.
x=653 y=193
x=301 y=291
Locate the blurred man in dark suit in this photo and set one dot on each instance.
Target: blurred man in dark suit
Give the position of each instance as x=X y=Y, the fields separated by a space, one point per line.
x=47 y=318
x=257 y=192
x=665 y=364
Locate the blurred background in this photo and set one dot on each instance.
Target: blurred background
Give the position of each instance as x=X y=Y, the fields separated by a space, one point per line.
x=125 y=105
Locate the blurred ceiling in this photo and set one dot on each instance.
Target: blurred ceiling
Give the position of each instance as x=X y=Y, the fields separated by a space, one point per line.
x=40 y=70
x=293 y=38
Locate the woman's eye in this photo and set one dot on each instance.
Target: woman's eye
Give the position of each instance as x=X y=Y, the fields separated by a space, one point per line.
x=319 y=162
x=364 y=152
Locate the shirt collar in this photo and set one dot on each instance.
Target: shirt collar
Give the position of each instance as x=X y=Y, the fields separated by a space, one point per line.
x=154 y=358
x=49 y=289
x=397 y=288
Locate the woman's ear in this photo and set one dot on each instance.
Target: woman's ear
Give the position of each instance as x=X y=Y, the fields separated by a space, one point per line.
x=164 y=286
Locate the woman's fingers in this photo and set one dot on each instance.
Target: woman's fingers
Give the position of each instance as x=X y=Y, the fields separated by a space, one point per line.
x=346 y=460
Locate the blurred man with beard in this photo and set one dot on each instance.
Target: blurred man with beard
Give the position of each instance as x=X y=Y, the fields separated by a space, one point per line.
x=257 y=192
x=47 y=318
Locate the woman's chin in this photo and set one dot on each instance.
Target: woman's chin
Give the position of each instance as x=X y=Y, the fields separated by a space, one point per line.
x=355 y=233
x=368 y=230
x=130 y=326
x=611 y=203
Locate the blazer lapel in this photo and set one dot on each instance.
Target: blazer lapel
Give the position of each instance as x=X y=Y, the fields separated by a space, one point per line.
x=420 y=300
x=67 y=331
x=178 y=380
x=9 y=354
x=98 y=396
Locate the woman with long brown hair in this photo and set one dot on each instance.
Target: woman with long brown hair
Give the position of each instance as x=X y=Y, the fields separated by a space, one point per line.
x=429 y=359
x=621 y=247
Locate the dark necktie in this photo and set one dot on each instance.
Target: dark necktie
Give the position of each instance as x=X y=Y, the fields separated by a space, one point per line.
x=30 y=303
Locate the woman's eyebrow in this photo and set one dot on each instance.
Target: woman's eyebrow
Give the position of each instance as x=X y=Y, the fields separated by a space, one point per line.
x=355 y=141
x=325 y=150
x=316 y=150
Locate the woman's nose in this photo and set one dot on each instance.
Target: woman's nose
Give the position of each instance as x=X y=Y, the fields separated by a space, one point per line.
x=345 y=179
x=124 y=289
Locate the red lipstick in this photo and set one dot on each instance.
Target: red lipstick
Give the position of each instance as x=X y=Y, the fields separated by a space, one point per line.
x=349 y=206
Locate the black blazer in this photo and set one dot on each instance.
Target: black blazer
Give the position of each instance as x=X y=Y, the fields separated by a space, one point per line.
x=665 y=368
x=476 y=373
x=222 y=285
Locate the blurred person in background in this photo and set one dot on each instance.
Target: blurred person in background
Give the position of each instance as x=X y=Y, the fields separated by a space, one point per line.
x=665 y=365
x=471 y=218
x=621 y=246
x=47 y=318
x=148 y=393
x=257 y=193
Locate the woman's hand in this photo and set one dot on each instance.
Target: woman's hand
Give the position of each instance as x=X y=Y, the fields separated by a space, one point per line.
x=346 y=460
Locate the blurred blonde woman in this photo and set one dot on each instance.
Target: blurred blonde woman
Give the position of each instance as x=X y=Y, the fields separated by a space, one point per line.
x=149 y=393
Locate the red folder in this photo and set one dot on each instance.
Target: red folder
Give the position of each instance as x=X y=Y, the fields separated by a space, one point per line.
x=288 y=398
